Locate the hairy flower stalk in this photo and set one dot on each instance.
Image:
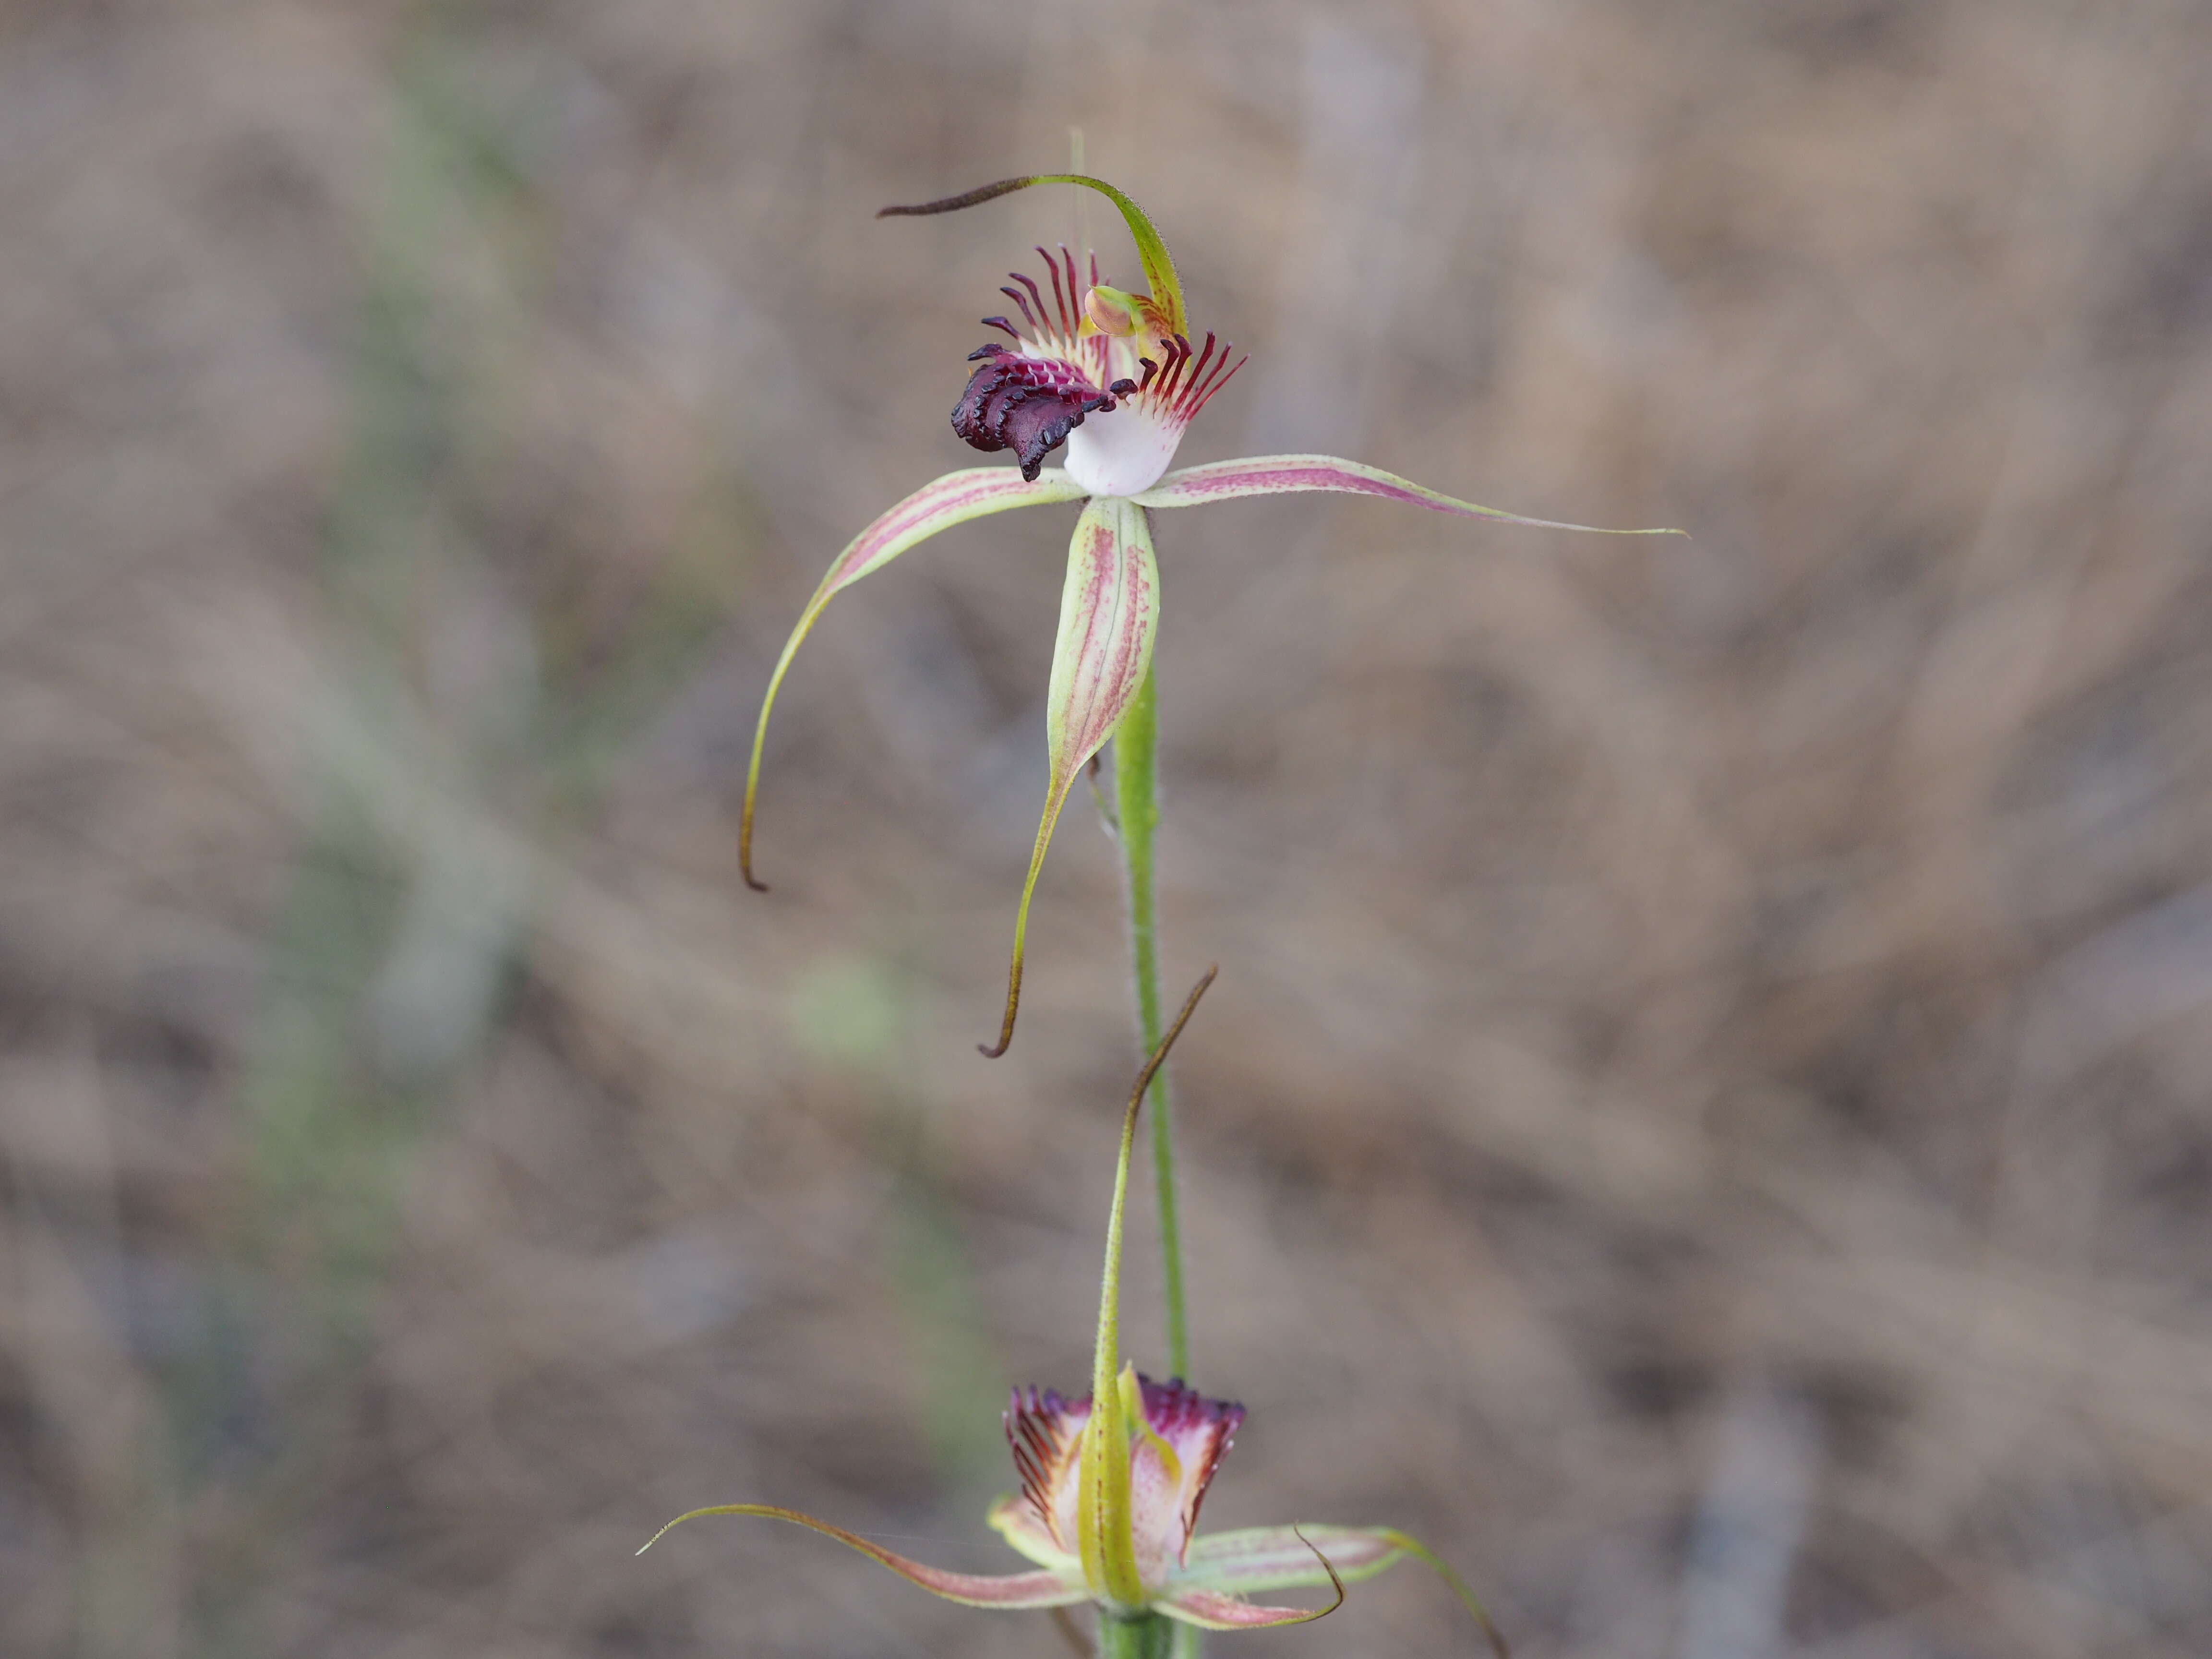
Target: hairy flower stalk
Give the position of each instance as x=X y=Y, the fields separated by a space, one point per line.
x=1114 y=376
x=1111 y=1487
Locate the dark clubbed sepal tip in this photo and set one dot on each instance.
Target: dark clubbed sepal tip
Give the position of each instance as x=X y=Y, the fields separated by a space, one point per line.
x=1013 y=1007
x=953 y=204
x=745 y=843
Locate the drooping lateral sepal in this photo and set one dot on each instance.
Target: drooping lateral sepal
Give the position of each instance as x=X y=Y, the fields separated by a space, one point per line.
x=1109 y=613
x=1011 y=1591
x=1282 y=475
x=953 y=498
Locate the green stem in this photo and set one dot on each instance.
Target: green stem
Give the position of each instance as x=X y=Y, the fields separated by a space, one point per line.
x=1136 y=803
x=1146 y=1637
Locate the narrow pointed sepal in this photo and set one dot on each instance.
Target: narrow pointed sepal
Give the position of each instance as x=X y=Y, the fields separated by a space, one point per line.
x=953 y=498
x=1281 y=475
x=1109 y=613
x=1214 y=1609
x=1047 y=1587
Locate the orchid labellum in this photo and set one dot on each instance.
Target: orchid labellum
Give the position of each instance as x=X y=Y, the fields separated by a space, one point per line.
x=1111 y=1486
x=1115 y=377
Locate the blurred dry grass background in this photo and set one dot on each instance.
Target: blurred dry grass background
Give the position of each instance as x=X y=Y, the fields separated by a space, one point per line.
x=1704 y=1114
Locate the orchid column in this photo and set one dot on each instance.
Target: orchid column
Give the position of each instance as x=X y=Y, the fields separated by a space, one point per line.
x=1113 y=376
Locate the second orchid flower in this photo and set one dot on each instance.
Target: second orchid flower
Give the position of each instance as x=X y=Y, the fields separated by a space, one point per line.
x=1111 y=1487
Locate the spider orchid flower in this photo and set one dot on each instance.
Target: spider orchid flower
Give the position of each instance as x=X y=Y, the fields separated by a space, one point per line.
x=1107 y=1510
x=1113 y=376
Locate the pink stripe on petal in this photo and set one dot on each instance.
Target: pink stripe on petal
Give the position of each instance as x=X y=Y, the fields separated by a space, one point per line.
x=951 y=499
x=1109 y=613
x=1213 y=1610
x=1105 y=640
x=1255 y=1558
x=1280 y=475
x=1261 y=1558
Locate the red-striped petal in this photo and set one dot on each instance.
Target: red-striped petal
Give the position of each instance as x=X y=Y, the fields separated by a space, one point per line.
x=1255 y=1558
x=1211 y=1609
x=1108 y=612
x=1280 y=475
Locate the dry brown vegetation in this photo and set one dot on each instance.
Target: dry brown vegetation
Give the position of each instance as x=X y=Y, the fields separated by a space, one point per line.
x=1705 y=1111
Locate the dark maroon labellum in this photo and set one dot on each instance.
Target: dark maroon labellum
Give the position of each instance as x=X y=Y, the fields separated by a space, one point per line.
x=1027 y=405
